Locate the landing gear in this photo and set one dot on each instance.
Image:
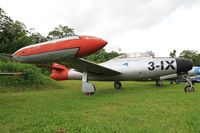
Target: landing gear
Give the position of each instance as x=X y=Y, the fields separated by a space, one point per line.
x=189 y=87
x=117 y=85
x=87 y=88
x=159 y=83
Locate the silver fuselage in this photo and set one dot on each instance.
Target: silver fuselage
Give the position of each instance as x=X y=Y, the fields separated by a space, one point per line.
x=137 y=69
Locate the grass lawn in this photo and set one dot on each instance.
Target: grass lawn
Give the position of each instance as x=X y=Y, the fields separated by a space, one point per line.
x=140 y=107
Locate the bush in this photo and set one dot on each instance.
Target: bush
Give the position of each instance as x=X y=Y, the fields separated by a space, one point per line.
x=31 y=75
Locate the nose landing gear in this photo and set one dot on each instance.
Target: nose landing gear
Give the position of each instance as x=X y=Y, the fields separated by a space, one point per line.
x=189 y=87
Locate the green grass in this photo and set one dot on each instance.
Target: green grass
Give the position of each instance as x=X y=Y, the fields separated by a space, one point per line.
x=138 y=107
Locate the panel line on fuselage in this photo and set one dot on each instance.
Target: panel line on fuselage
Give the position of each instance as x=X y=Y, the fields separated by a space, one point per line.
x=55 y=55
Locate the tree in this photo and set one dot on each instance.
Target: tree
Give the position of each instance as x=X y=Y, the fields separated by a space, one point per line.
x=13 y=34
x=102 y=56
x=37 y=37
x=60 y=32
x=150 y=53
x=191 y=54
x=172 y=54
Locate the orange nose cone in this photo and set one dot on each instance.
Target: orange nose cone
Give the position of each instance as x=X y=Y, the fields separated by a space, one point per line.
x=102 y=43
x=90 y=46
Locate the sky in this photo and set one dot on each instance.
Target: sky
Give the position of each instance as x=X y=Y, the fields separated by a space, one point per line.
x=129 y=25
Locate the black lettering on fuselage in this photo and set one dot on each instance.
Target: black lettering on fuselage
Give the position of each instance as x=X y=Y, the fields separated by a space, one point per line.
x=152 y=66
x=170 y=65
x=164 y=65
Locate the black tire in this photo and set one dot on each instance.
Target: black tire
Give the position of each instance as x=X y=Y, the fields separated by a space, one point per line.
x=188 y=88
x=159 y=83
x=117 y=85
x=89 y=93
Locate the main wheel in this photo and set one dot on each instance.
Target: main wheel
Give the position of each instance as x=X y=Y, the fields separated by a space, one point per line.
x=159 y=83
x=117 y=85
x=189 y=88
x=91 y=93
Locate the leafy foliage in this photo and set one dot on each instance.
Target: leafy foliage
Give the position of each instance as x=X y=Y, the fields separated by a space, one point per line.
x=31 y=74
x=191 y=54
x=37 y=38
x=150 y=53
x=172 y=54
x=13 y=34
x=102 y=56
x=60 y=32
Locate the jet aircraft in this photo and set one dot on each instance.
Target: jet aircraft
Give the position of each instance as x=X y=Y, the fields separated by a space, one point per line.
x=68 y=52
x=123 y=69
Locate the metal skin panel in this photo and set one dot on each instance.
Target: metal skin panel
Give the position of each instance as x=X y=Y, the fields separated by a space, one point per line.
x=72 y=74
x=86 y=44
x=82 y=65
x=143 y=68
x=50 y=43
x=127 y=69
x=48 y=56
x=140 y=69
x=51 y=51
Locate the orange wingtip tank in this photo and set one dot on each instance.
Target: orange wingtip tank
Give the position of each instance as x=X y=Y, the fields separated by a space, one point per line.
x=59 y=72
x=73 y=47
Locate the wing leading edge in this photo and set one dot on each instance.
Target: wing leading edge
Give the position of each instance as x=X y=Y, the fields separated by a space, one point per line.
x=82 y=65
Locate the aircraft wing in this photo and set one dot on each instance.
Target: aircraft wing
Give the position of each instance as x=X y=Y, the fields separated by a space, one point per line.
x=6 y=56
x=82 y=65
x=11 y=74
